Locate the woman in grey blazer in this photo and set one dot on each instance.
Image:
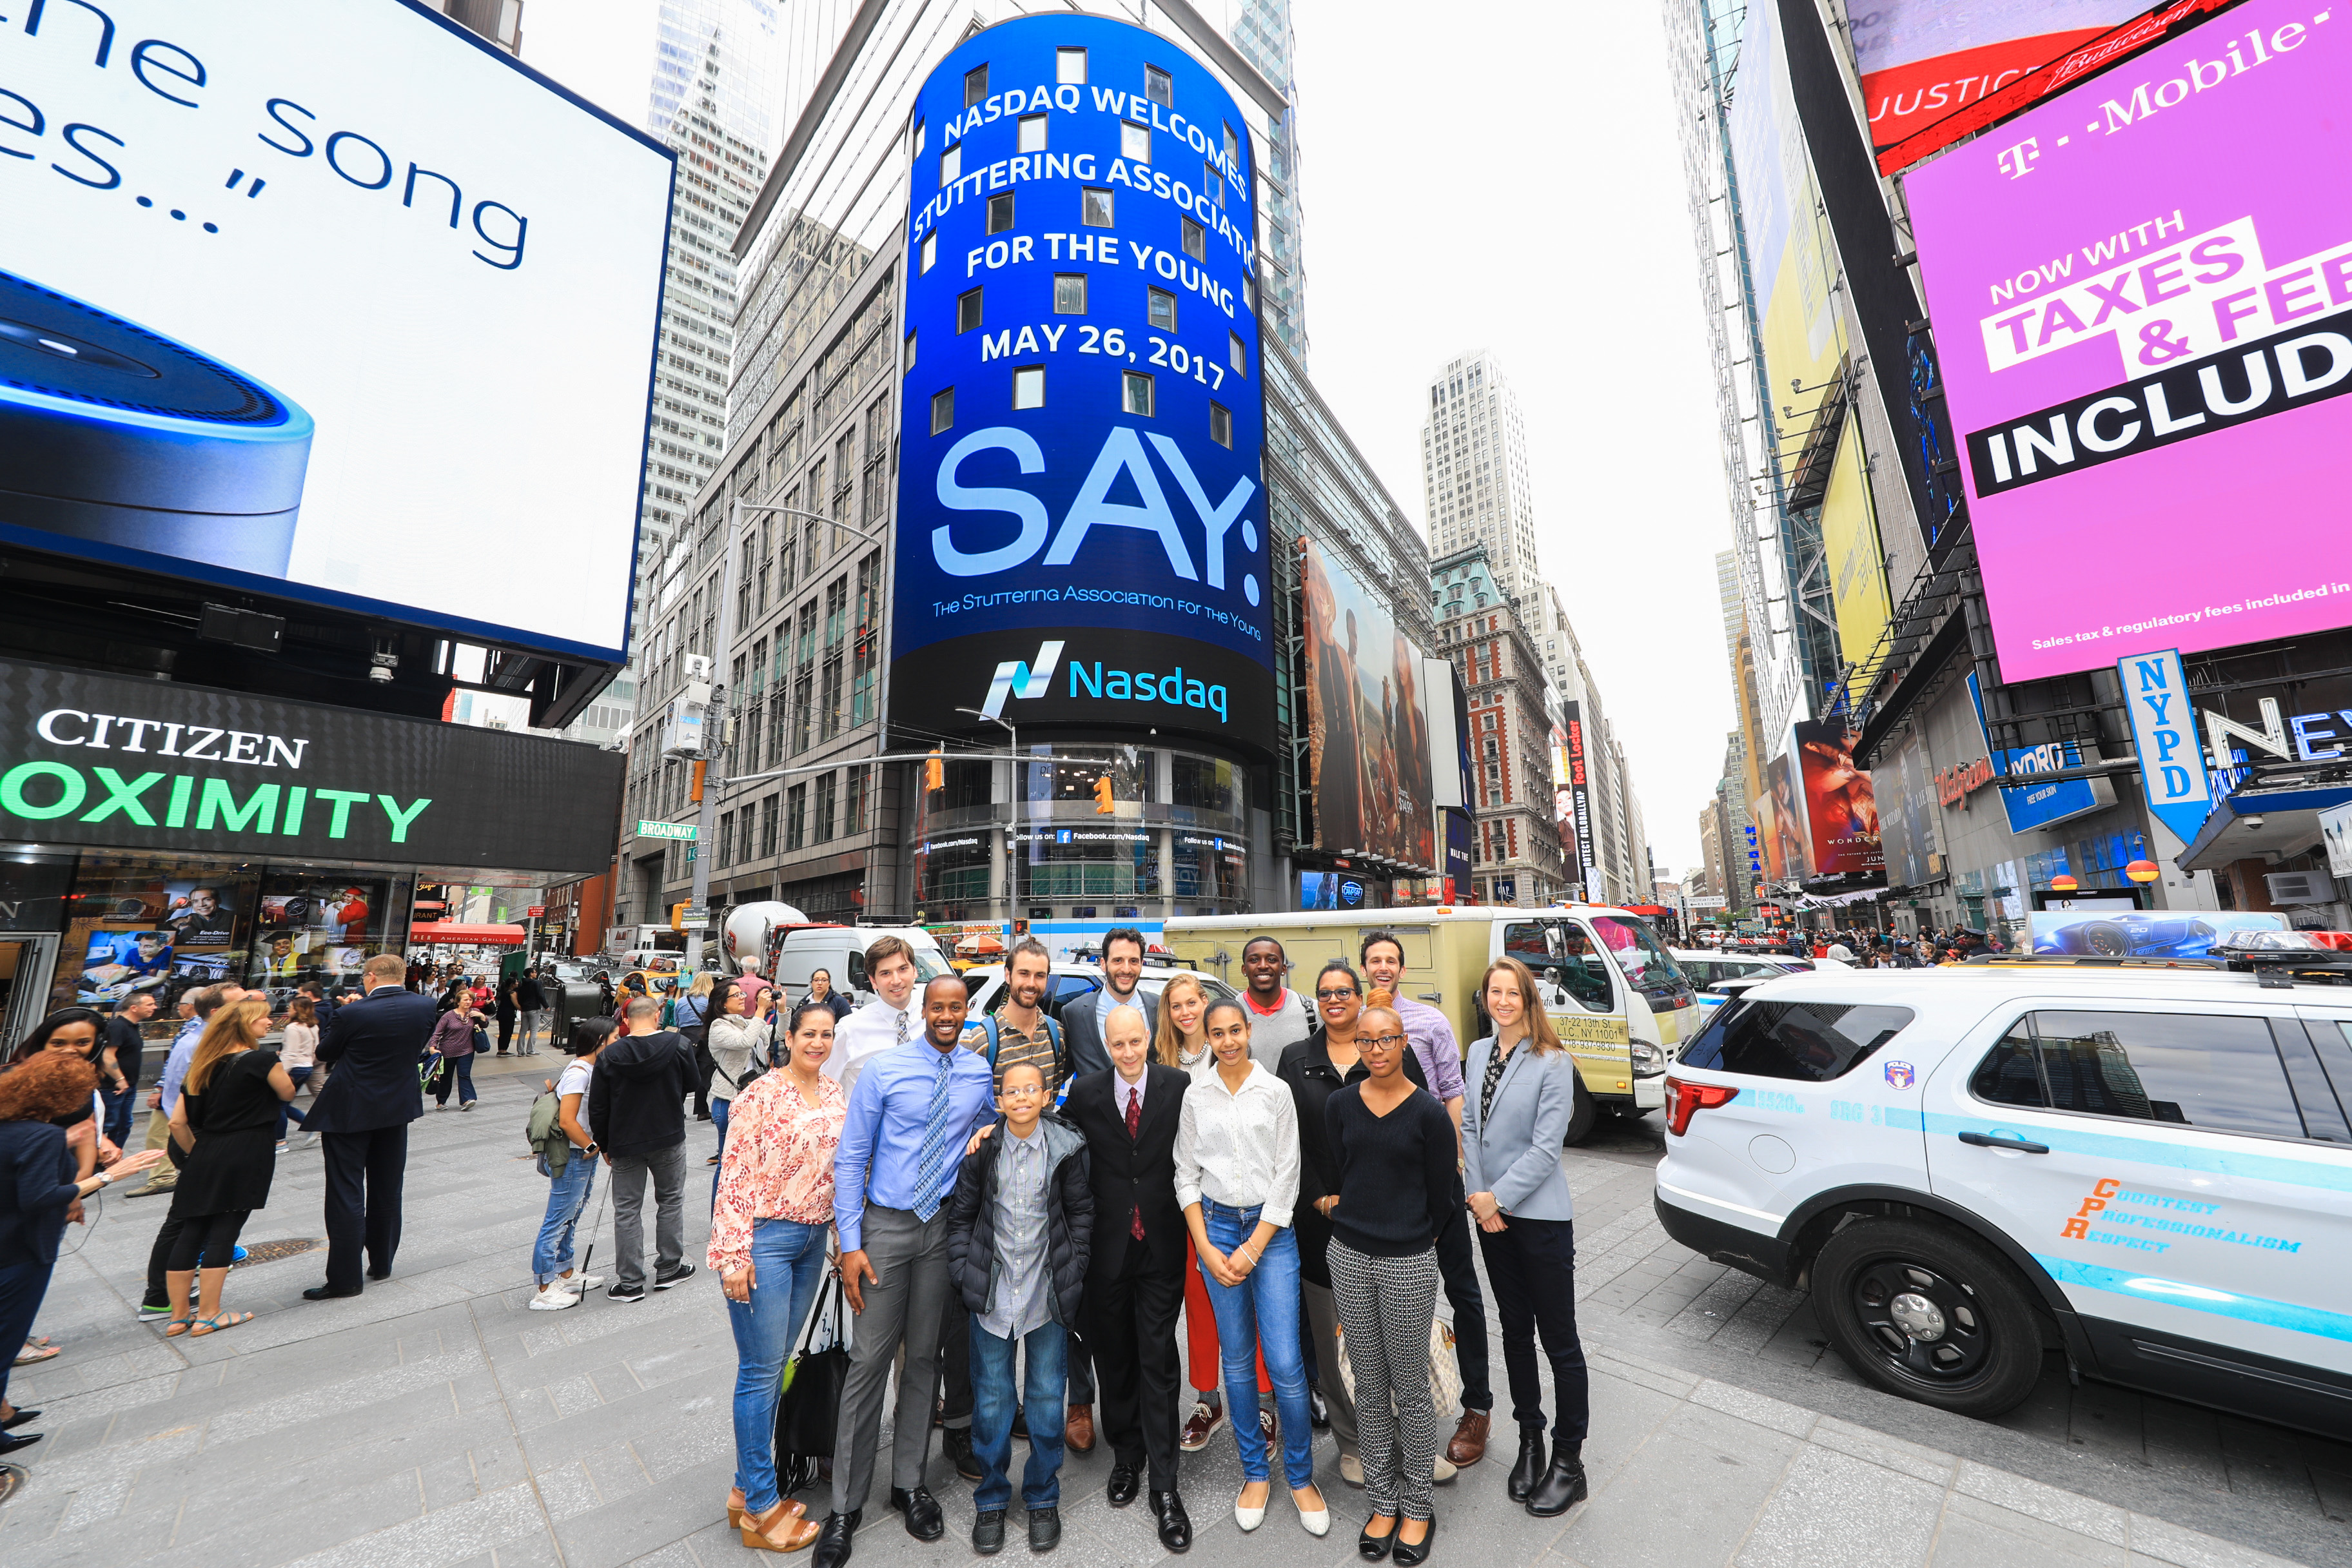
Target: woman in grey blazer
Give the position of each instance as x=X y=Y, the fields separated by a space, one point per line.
x=1520 y=1088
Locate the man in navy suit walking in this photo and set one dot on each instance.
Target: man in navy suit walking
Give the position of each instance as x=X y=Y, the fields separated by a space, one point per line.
x=374 y=1047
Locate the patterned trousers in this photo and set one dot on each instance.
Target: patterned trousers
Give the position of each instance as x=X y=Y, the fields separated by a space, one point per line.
x=1386 y=1304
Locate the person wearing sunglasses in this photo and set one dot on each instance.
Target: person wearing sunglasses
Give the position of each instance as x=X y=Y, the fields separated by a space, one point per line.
x=1330 y=1059
x=1393 y=1144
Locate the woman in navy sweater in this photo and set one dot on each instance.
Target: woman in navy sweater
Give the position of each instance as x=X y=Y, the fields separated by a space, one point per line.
x=39 y=1193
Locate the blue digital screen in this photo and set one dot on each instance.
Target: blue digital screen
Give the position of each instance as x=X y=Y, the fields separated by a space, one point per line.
x=1082 y=523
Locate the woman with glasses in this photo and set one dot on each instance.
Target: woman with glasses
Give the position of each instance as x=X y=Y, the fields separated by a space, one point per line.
x=1391 y=1142
x=1236 y=1179
x=1521 y=1087
x=1330 y=1059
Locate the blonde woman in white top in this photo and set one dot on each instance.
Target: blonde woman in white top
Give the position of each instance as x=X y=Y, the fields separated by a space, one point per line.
x=297 y=1052
x=1236 y=1178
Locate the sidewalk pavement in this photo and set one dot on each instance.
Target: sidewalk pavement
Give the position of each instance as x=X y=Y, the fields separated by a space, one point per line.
x=435 y=1422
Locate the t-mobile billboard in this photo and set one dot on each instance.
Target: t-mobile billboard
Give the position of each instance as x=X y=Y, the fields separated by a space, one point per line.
x=1082 y=519
x=2139 y=293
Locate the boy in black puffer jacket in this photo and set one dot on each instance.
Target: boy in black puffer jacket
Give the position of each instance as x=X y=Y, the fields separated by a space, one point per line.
x=1019 y=1228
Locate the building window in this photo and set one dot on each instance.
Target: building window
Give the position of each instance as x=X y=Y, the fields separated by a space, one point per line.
x=1235 y=354
x=1033 y=133
x=1158 y=86
x=967 y=310
x=1069 y=67
x=1212 y=185
x=852 y=808
x=931 y=252
x=726 y=855
x=1232 y=148
x=1161 y=308
x=795 y=818
x=910 y=352
x=1029 y=386
x=950 y=164
x=999 y=213
x=826 y=785
x=1221 y=423
x=1069 y=293
x=1137 y=393
x=1196 y=241
x=1093 y=209
x=1134 y=142
x=975 y=85
x=769 y=814
x=919 y=137
x=866 y=640
x=942 y=410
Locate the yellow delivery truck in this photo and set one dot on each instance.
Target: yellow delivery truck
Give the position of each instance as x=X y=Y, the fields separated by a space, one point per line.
x=1614 y=995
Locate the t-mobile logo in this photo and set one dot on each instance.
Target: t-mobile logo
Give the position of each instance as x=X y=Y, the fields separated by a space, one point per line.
x=2018 y=161
x=1017 y=679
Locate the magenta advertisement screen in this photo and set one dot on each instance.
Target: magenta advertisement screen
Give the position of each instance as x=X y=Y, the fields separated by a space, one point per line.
x=2142 y=294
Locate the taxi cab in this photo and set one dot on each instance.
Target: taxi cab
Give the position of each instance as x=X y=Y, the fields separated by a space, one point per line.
x=2146 y=1165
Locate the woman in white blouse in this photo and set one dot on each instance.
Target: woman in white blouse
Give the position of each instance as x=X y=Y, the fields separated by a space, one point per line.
x=1237 y=1177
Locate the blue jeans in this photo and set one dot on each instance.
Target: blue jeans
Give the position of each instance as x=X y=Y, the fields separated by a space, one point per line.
x=787 y=1260
x=718 y=1121
x=1259 y=1317
x=459 y=1071
x=1046 y=1349
x=117 y=1116
x=286 y=1111
x=567 y=1200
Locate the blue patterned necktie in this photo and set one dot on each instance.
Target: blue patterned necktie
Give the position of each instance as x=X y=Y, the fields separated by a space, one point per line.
x=933 y=1164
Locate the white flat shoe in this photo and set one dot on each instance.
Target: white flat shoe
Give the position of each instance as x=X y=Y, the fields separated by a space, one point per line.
x=1249 y=1518
x=1317 y=1522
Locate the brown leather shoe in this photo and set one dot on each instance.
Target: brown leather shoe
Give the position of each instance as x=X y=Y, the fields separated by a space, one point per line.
x=1079 y=1435
x=1469 y=1445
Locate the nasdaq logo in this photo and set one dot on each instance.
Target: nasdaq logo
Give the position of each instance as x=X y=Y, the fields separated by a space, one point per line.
x=1098 y=682
x=1017 y=679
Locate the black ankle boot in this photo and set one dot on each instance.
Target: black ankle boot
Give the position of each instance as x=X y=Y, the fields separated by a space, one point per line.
x=1562 y=1485
x=1530 y=1466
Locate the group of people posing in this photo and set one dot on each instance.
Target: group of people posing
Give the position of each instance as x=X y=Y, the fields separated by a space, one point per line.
x=1021 y=1209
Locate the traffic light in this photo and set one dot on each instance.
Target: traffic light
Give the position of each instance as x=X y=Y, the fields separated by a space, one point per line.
x=1103 y=807
x=678 y=917
x=935 y=771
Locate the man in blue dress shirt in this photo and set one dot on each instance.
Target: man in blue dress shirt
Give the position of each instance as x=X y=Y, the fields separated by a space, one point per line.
x=911 y=1112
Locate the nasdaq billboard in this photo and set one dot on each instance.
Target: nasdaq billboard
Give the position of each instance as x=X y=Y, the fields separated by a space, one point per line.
x=1082 y=536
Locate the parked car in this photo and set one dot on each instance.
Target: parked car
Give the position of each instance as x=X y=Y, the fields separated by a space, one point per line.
x=2147 y=1167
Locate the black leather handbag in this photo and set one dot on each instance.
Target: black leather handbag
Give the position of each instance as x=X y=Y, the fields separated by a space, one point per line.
x=810 y=1409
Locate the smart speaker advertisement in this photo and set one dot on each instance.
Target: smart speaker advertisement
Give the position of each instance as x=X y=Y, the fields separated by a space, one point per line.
x=377 y=338
x=2139 y=294
x=1082 y=522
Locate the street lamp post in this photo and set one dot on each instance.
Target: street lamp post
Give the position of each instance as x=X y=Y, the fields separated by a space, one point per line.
x=1017 y=794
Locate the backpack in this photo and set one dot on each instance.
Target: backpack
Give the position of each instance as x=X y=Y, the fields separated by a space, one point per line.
x=1052 y=1034
x=545 y=1134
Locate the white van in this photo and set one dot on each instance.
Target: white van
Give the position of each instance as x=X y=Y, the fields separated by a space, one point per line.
x=797 y=952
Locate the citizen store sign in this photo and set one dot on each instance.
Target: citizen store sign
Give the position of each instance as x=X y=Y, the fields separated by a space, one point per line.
x=91 y=760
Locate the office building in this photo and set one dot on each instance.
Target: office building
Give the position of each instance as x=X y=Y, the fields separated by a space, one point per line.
x=1474 y=487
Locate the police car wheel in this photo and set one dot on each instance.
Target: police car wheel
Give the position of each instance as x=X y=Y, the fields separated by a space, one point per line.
x=1583 y=1116
x=1928 y=1314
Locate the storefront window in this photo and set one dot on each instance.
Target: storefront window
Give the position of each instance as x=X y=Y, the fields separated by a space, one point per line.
x=952 y=875
x=1209 y=866
x=1202 y=788
x=1108 y=862
x=1128 y=768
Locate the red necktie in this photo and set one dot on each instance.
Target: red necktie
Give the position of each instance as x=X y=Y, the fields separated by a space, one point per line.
x=1134 y=1121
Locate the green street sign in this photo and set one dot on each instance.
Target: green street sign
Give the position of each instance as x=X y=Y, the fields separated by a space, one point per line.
x=686 y=831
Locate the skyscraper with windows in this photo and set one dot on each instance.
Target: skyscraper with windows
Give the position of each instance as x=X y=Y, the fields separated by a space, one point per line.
x=500 y=21
x=1473 y=471
x=1261 y=30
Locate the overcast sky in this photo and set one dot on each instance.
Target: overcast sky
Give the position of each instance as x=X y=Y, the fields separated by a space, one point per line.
x=1502 y=176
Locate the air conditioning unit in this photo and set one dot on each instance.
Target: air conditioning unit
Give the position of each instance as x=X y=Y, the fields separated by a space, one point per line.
x=2301 y=887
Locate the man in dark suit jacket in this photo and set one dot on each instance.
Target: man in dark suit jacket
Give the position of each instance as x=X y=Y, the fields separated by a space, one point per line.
x=372 y=1048
x=1122 y=962
x=1135 y=1271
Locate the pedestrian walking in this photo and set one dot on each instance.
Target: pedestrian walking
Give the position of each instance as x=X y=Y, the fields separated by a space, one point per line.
x=453 y=1043
x=1237 y=1177
x=636 y=1114
x=224 y=1124
x=1020 y=1226
x=1182 y=1042
x=769 y=1229
x=40 y=1190
x=1393 y=1146
x=372 y=1052
x=689 y=1015
x=1314 y=1070
x=530 y=996
x=1523 y=1090
x=297 y=1052
x=123 y=1062
x=508 y=1011
x=911 y=1110
x=1137 y=1267
x=736 y=1043
x=567 y=1158
x=1439 y=1056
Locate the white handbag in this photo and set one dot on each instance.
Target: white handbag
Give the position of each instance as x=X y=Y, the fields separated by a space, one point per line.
x=1445 y=1373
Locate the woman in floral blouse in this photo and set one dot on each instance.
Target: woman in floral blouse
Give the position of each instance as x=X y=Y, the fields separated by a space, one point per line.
x=768 y=1233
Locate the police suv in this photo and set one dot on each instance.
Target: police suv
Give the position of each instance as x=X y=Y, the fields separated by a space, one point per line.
x=2147 y=1166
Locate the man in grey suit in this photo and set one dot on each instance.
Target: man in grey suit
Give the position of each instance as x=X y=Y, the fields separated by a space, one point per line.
x=1082 y=1021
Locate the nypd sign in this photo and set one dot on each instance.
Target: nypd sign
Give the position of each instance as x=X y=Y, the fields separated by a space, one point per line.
x=1082 y=530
